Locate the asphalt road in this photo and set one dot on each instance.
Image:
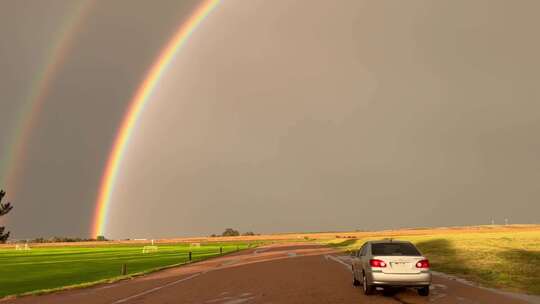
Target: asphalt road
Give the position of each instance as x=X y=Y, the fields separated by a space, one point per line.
x=286 y=273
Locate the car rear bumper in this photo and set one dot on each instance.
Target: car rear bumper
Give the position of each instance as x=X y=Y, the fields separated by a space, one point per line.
x=394 y=279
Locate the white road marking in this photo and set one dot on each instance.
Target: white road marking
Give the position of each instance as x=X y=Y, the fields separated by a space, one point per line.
x=437 y=292
x=110 y=285
x=528 y=298
x=245 y=297
x=239 y=301
x=229 y=262
x=219 y=300
x=178 y=281
x=260 y=250
x=170 y=284
x=333 y=258
x=156 y=289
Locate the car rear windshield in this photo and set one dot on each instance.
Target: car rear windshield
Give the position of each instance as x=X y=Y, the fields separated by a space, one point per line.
x=394 y=249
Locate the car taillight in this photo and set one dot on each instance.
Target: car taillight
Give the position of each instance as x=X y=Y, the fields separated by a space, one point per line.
x=422 y=264
x=377 y=263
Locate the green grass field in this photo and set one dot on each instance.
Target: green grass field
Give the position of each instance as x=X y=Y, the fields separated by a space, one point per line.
x=46 y=268
x=504 y=260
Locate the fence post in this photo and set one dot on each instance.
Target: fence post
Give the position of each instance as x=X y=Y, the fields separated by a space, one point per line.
x=124 y=269
x=220 y=250
x=190 y=255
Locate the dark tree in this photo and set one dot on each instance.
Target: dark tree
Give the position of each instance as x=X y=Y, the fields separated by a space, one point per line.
x=230 y=232
x=4 y=209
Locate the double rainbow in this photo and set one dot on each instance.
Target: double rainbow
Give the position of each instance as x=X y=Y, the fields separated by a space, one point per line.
x=13 y=157
x=135 y=109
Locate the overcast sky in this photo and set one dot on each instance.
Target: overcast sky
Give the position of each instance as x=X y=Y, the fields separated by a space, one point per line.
x=280 y=116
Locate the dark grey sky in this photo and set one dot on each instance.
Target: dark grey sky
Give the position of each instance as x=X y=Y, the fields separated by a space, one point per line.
x=282 y=116
x=110 y=55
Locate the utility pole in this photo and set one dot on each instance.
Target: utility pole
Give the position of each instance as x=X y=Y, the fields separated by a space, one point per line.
x=506 y=221
x=492 y=222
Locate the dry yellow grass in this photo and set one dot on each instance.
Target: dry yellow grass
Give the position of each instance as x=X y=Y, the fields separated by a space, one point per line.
x=308 y=236
x=505 y=257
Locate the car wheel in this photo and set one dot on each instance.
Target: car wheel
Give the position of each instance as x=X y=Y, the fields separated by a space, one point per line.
x=368 y=289
x=424 y=291
x=355 y=282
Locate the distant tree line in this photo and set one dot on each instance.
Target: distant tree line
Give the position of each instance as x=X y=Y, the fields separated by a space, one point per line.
x=4 y=209
x=60 y=239
x=233 y=232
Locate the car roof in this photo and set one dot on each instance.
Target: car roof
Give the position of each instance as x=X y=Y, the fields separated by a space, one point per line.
x=388 y=241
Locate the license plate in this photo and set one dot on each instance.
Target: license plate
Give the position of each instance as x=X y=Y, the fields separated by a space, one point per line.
x=400 y=264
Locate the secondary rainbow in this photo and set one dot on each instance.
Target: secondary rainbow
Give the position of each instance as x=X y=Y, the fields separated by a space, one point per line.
x=135 y=109
x=13 y=156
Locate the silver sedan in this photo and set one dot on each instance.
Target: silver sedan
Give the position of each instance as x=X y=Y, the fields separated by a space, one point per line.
x=389 y=263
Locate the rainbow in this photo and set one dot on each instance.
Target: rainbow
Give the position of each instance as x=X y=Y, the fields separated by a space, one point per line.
x=136 y=107
x=13 y=158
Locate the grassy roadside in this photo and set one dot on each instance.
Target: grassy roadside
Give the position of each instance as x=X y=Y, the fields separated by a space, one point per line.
x=506 y=257
x=47 y=269
x=504 y=260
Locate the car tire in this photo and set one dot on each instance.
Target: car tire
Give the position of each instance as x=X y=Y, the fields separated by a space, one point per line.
x=368 y=289
x=355 y=282
x=423 y=291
